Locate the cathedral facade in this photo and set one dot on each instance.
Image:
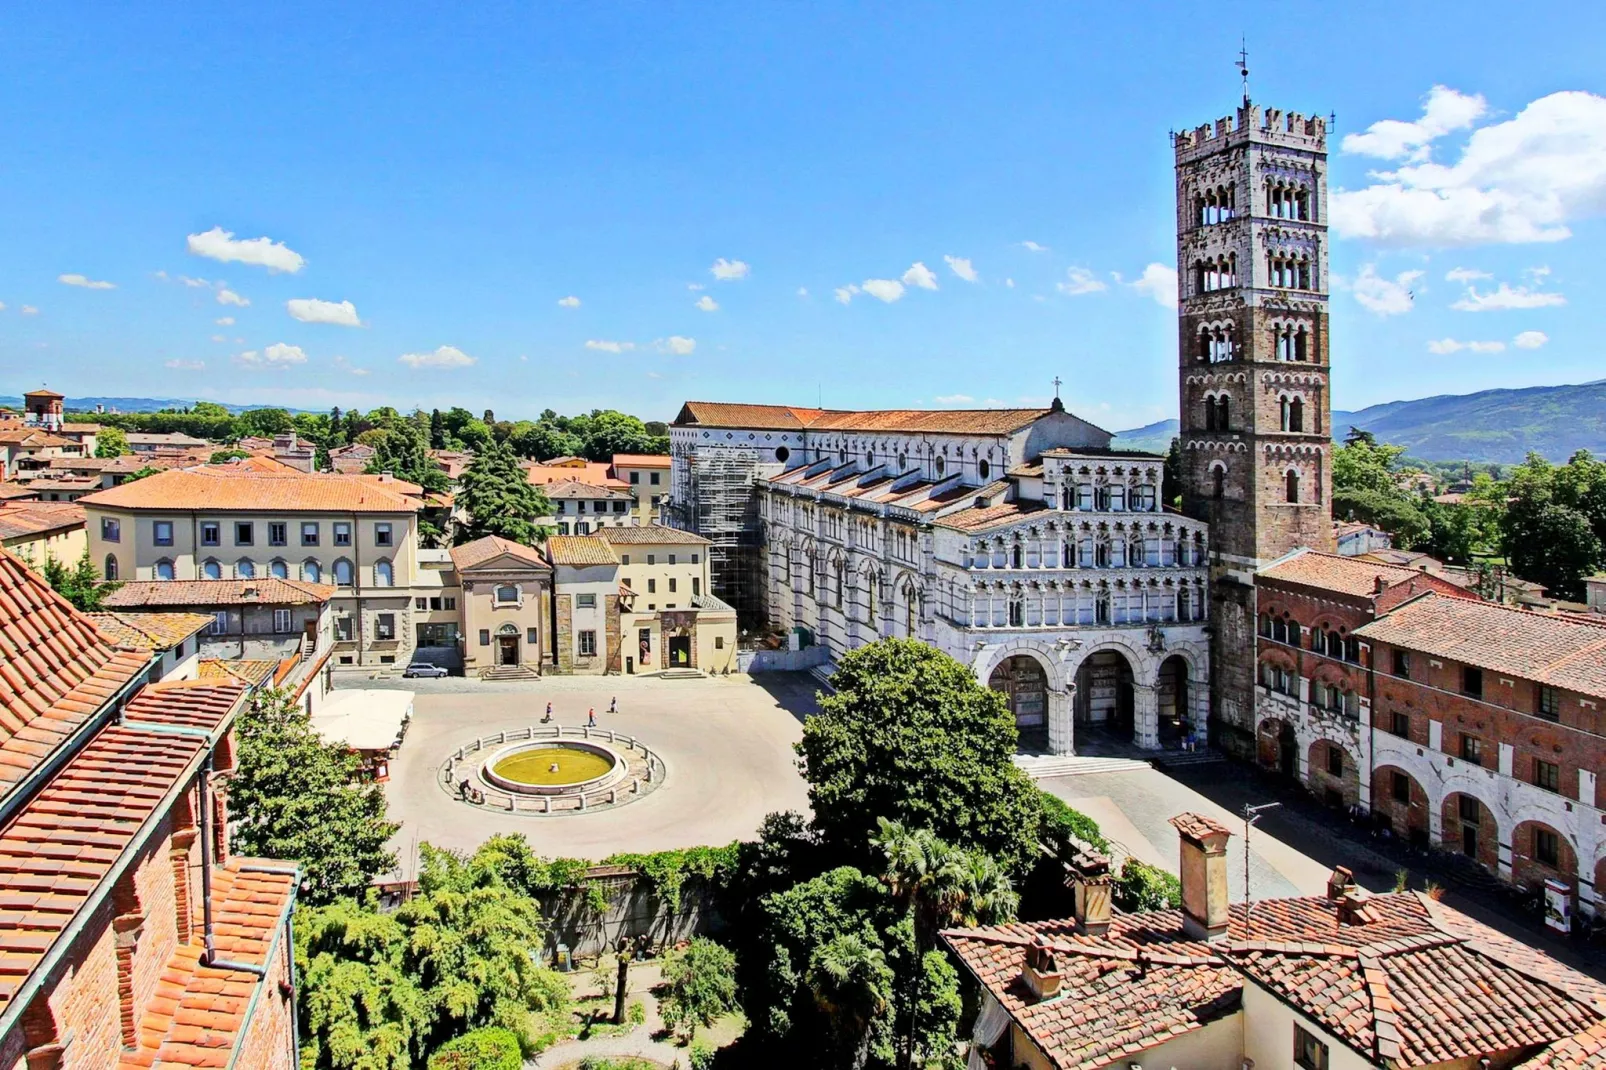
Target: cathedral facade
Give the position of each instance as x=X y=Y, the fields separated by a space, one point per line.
x=1015 y=540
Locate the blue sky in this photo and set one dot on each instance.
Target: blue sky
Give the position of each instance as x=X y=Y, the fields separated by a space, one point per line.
x=456 y=175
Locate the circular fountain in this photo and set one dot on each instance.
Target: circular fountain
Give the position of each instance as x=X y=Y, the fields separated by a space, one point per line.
x=554 y=767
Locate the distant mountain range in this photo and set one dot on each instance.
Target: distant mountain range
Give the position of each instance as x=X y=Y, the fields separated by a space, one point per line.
x=136 y=404
x=1491 y=425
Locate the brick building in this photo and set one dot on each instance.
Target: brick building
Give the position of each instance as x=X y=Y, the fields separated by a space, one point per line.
x=1325 y=982
x=112 y=834
x=1253 y=367
x=1461 y=724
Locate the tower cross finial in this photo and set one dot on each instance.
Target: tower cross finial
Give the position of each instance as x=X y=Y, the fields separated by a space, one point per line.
x=1243 y=66
x=1056 y=387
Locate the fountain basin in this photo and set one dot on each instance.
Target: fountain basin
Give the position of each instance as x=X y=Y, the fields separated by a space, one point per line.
x=527 y=768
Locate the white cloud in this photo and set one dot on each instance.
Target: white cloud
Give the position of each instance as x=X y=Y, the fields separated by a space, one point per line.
x=729 y=270
x=695 y=286
x=1034 y=247
x=1522 y=180
x=569 y=302
x=1080 y=281
x=1159 y=281
x=802 y=291
x=278 y=355
x=1443 y=110
x=1446 y=346
x=954 y=399
x=194 y=284
x=919 y=275
x=1530 y=339
x=226 y=296
x=1385 y=297
x=1506 y=296
x=962 y=267
x=312 y=310
x=85 y=282
x=28 y=310
x=1465 y=275
x=677 y=345
x=887 y=290
x=224 y=321
x=184 y=365
x=220 y=244
x=610 y=347
x=1009 y=283
x=441 y=357
x=707 y=304
x=350 y=369
x=846 y=293
x=2 y=306
x=1538 y=274
x=219 y=338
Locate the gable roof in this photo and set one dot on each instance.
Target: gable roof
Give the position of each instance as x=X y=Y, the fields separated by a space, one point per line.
x=1560 y=651
x=909 y=421
x=580 y=550
x=1351 y=576
x=176 y=593
x=641 y=460
x=148 y=631
x=471 y=555
x=575 y=488
x=1415 y=984
x=215 y=489
x=56 y=670
x=20 y=519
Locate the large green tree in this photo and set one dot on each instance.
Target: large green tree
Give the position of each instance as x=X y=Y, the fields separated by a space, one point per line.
x=404 y=452
x=1554 y=527
x=910 y=735
x=379 y=991
x=111 y=442
x=78 y=583
x=499 y=498
x=294 y=796
x=702 y=985
x=1365 y=488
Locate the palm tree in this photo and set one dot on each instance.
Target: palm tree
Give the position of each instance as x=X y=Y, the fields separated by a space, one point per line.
x=850 y=982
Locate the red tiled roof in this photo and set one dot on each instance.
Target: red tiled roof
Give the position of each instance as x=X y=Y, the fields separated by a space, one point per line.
x=206 y=704
x=148 y=631
x=1198 y=826
x=992 y=516
x=908 y=421
x=16 y=491
x=1559 y=651
x=580 y=550
x=650 y=535
x=1417 y=984
x=1357 y=577
x=56 y=670
x=213 y=488
x=596 y=473
x=58 y=849
x=476 y=553
x=198 y=1013
x=579 y=488
x=20 y=519
x=251 y=671
x=268 y=592
x=726 y=414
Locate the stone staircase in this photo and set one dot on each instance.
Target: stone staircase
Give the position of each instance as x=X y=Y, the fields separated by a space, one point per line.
x=1183 y=759
x=683 y=674
x=1043 y=766
x=823 y=674
x=509 y=672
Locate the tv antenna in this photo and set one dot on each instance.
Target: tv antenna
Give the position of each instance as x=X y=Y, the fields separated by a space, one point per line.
x=1251 y=815
x=1243 y=66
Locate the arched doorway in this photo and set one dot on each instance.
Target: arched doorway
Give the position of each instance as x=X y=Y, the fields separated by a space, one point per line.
x=1024 y=683
x=1277 y=747
x=507 y=645
x=1176 y=698
x=1540 y=851
x=1104 y=694
x=1400 y=804
x=1470 y=829
x=1332 y=775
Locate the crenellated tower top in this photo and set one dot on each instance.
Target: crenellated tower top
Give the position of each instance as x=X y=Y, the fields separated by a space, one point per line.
x=1269 y=126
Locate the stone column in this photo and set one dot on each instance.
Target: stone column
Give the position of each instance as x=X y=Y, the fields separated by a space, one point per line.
x=1062 y=720
x=1146 y=716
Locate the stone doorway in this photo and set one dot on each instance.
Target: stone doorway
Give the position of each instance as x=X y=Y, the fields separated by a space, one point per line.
x=680 y=652
x=1024 y=684
x=1105 y=697
x=507 y=645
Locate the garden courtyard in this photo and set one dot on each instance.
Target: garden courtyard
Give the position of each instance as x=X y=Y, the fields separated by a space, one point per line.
x=726 y=744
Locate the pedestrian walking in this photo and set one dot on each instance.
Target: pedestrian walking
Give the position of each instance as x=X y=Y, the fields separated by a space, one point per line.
x=548 y=718
x=591 y=717
x=613 y=705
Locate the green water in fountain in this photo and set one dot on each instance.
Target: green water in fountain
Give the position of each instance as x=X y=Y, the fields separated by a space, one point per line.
x=536 y=767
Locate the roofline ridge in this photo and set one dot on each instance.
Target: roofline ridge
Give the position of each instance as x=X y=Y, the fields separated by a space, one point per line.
x=1478 y=945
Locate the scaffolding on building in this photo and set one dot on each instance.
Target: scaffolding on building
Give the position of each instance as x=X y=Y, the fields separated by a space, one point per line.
x=721 y=505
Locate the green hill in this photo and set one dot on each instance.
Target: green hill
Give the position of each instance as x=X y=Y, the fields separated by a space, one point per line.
x=1491 y=425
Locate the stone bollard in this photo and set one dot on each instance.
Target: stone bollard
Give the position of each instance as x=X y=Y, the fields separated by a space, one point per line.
x=610 y=735
x=582 y=802
x=546 y=804
x=511 y=804
x=613 y=796
x=587 y=731
x=635 y=785
x=649 y=769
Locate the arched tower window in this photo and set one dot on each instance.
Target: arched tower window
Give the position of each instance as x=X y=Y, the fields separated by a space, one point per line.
x=1291 y=487
x=1218 y=483
x=110 y=571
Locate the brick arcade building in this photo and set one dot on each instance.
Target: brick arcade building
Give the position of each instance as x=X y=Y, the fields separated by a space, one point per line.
x=112 y=831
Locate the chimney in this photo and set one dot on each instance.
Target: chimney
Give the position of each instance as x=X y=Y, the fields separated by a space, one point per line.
x=1341 y=880
x=1204 y=875
x=1042 y=971
x=1090 y=882
x=1353 y=908
x=1379 y=585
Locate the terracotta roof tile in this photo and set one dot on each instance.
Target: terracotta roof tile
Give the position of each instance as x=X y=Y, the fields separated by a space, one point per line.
x=212 y=488
x=208 y=704
x=580 y=550
x=476 y=553
x=1345 y=575
x=575 y=488
x=1417 y=984
x=596 y=473
x=641 y=460
x=251 y=671
x=909 y=421
x=149 y=631
x=176 y=593
x=1198 y=826
x=1559 y=651
x=992 y=516
x=650 y=535
x=22 y=518
x=726 y=414
x=56 y=670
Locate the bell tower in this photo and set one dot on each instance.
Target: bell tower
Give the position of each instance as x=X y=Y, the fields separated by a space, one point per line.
x=1252 y=290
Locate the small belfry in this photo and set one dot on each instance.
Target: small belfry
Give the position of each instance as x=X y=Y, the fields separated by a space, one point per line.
x=1253 y=368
